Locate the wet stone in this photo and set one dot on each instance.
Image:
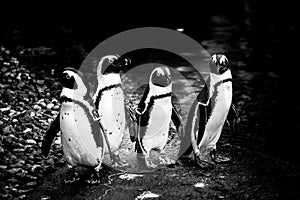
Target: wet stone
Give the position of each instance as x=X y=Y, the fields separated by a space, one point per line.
x=30 y=141
x=31 y=184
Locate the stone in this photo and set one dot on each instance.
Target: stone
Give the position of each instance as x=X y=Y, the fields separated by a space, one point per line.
x=30 y=141
x=50 y=106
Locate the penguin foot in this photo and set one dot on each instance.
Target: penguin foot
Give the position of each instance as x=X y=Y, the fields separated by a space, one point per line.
x=71 y=176
x=165 y=160
x=145 y=162
x=94 y=178
x=204 y=163
x=118 y=163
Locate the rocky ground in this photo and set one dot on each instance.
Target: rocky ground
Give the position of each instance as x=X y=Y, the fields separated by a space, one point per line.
x=29 y=104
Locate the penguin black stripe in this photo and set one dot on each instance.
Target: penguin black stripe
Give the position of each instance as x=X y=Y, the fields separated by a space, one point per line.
x=155 y=97
x=103 y=90
x=227 y=80
x=94 y=126
x=65 y=99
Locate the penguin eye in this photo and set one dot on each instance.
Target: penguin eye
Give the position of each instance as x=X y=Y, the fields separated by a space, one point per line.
x=111 y=61
x=68 y=76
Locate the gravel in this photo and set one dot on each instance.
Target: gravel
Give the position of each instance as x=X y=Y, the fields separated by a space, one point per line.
x=27 y=107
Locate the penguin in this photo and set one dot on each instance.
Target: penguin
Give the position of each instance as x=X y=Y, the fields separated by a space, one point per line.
x=81 y=136
x=208 y=115
x=109 y=101
x=154 y=114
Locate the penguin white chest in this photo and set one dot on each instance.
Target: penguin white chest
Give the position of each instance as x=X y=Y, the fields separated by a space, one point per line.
x=158 y=126
x=112 y=115
x=221 y=102
x=80 y=146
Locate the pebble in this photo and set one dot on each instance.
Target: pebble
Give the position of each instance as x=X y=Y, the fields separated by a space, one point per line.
x=56 y=107
x=50 y=106
x=31 y=184
x=14 y=170
x=43 y=104
x=3 y=167
x=32 y=114
x=27 y=130
x=30 y=141
x=35 y=168
x=20 y=163
x=36 y=107
x=4 y=109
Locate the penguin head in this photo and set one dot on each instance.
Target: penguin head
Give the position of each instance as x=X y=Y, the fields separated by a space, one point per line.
x=73 y=79
x=161 y=76
x=218 y=64
x=111 y=64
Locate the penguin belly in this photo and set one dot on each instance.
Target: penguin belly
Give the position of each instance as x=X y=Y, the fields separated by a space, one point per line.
x=112 y=115
x=221 y=104
x=156 y=134
x=79 y=145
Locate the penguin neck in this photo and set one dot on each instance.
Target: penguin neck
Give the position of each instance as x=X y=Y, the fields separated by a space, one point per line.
x=77 y=94
x=215 y=78
x=158 y=90
x=105 y=80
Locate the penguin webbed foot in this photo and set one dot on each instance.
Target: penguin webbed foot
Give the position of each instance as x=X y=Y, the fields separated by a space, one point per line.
x=71 y=176
x=145 y=162
x=164 y=160
x=117 y=162
x=204 y=163
x=94 y=177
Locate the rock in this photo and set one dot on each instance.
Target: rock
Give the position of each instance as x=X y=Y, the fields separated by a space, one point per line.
x=3 y=167
x=50 y=106
x=31 y=184
x=27 y=130
x=36 y=107
x=30 y=141
x=36 y=168
x=4 y=109
x=14 y=170
x=43 y=104
x=6 y=130
x=19 y=164
x=32 y=114
x=18 y=150
x=56 y=107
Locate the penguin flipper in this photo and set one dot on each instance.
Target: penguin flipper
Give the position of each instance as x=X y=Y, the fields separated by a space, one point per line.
x=203 y=96
x=50 y=135
x=233 y=119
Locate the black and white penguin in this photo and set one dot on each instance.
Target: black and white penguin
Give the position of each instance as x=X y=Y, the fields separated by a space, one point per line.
x=109 y=101
x=209 y=113
x=154 y=114
x=82 y=140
